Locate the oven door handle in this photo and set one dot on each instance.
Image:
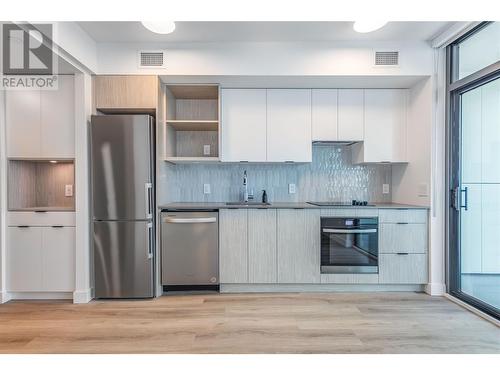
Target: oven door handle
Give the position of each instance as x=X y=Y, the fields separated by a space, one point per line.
x=347 y=231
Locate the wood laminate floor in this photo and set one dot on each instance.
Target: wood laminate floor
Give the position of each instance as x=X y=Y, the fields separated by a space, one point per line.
x=249 y=323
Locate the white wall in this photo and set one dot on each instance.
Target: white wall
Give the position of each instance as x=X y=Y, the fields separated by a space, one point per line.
x=320 y=58
x=83 y=111
x=406 y=179
x=3 y=200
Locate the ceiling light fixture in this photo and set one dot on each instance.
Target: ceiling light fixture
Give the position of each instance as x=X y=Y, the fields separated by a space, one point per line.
x=160 y=27
x=368 y=26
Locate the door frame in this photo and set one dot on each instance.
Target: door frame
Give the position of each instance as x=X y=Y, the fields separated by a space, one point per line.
x=453 y=166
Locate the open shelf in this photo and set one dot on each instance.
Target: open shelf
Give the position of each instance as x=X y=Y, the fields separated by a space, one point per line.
x=192 y=123
x=39 y=185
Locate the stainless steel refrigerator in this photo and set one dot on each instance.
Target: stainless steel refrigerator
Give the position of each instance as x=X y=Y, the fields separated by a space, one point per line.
x=123 y=196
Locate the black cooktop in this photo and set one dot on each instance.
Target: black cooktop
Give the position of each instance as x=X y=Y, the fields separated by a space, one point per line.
x=342 y=204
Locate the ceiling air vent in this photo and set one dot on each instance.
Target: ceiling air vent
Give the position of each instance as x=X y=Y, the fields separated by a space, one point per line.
x=151 y=59
x=386 y=58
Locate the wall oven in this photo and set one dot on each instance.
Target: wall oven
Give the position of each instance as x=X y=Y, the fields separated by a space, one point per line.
x=349 y=245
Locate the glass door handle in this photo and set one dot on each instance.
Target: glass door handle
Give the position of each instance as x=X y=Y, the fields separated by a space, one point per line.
x=466 y=198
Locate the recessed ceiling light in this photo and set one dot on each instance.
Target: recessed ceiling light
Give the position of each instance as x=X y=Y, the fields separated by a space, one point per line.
x=163 y=27
x=53 y=161
x=368 y=26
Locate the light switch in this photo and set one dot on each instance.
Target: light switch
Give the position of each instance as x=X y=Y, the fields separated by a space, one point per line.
x=206 y=188
x=291 y=189
x=68 y=190
x=206 y=150
x=385 y=189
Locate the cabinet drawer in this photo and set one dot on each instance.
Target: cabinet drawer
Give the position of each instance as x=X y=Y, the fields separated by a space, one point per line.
x=35 y=219
x=403 y=215
x=405 y=238
x=403 y=269
x=338 y=212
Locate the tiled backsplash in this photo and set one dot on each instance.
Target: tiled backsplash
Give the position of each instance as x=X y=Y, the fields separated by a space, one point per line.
x=330 y=177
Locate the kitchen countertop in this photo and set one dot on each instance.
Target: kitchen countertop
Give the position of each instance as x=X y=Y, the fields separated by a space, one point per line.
x=220 y=205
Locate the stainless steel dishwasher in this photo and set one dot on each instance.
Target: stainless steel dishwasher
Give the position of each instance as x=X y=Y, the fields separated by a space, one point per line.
x=189 y=250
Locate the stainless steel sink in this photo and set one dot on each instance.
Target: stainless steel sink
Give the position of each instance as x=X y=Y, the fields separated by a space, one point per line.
x=247 y=204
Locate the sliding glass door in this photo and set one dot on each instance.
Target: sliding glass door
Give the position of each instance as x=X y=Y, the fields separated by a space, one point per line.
x=474 y=162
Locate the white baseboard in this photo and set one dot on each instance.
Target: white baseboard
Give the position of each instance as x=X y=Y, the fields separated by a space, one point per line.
x=472 y=309
x=435 y=289
x=82 y=296
x=318 y=288
x=4 y=296
x=40 y=295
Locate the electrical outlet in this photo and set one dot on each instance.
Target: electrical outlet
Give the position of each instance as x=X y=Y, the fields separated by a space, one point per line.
x=68 y=190
x=206 y=188
x=385 y=189
x=291 y=189
x=206 y=150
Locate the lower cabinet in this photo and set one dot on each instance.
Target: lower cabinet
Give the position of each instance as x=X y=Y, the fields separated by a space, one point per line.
x=403 y=268
x=247 y=246
x=233 y=246
x=298 y=246
x=58 y=259
x=41 y=259
x=262 y=254
x=24 y=259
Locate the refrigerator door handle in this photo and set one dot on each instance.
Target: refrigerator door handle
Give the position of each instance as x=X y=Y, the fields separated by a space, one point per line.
x=149 y=240
x=148 y=188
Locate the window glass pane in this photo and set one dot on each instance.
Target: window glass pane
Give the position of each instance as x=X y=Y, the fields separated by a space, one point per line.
x=480 y=185
x=479 y=50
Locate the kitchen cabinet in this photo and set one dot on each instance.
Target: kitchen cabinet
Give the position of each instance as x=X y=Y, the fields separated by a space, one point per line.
x=324 y=115
x=130 y=93
x=58 y=259
x=351 y=114
x=385 y=127
x=41 y=123
x=262 y=252
x=403 y=237
x=403 y=245
x=403 y=268
x=244 y=125
x=58 y=120
x=22 y=111
x=289 y=135
x=298 y=241
x=41 y=259
x=24 y=259
x=233 y=246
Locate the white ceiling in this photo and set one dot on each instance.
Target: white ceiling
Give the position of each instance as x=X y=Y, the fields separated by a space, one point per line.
x=261 y=32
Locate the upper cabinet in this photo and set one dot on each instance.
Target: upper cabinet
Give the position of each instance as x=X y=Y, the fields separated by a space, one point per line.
x=337 y=115
x=279 y=125
x=351 y=115
x=119 y=94
x=324 y=115
x=289 y=125
x=385 y=127
x=266 y=125
x=41 y=123
x=244 y=119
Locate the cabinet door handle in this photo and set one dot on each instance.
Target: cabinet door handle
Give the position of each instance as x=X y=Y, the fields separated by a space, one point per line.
x=402 y=223
x=40 y=211
x=402 y=253
x=57 y=226
x=23 y=226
